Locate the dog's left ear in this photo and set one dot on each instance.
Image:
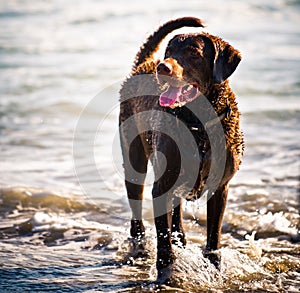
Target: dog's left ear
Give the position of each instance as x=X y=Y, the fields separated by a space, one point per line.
x=226 y=61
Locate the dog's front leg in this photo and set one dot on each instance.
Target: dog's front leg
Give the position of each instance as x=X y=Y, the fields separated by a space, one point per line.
x=162 y=204
x=215 y=212
x=135 y=167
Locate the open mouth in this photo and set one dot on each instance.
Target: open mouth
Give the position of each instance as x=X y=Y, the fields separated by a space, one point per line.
x=178 y=96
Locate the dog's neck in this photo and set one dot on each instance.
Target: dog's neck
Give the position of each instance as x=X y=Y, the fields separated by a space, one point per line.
x=215 y=92
x=200 y=110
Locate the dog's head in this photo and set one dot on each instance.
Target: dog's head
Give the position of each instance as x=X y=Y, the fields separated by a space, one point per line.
x=194 y=62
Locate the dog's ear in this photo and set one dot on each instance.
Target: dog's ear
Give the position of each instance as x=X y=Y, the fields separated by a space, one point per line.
x=226 y=61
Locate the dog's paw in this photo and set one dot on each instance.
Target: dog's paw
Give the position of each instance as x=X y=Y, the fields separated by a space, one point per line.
x=137 y=229
x=214 y=257
x=164 y=275
x=137 y=247
x=164 y=266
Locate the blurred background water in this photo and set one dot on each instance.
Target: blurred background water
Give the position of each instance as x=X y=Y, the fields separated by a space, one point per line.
x=64 y=233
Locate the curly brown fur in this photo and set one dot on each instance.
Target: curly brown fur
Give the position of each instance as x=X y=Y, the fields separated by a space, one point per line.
x=204 y=62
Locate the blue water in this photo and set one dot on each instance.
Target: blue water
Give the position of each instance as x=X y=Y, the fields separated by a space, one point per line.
x=63 y=226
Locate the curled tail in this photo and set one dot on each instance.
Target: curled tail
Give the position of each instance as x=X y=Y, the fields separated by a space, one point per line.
x=151 y=45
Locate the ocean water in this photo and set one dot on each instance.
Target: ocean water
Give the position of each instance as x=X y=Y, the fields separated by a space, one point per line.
x=64 y=217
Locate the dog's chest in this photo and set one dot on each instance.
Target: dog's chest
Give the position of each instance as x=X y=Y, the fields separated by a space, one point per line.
x=183 y=129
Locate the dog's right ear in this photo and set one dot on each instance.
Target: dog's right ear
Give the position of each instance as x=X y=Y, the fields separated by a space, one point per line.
x=226 y=60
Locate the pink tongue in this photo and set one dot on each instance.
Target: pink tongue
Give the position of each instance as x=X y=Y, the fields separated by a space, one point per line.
x=170 y=96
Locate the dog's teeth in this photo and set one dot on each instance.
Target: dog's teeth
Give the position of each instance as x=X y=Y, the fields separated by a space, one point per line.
x=187 y=88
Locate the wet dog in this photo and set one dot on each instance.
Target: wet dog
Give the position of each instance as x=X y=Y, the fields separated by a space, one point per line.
x=182 y=115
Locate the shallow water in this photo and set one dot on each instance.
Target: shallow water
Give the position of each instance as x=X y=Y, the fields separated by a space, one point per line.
x=64 y=219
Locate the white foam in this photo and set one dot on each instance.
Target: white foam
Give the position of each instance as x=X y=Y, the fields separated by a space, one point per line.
x=255 y=250
x=276 y=222
x=45 y=221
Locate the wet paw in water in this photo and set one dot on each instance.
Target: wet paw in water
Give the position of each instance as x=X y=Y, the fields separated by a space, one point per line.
x=214 y=257
x=164 y=275
x=137 y=247
x=131 y=250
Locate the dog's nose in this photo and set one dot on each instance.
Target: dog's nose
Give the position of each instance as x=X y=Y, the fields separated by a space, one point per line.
x=164 y=69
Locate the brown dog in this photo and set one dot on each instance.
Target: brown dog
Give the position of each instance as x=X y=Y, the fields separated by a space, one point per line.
x=182 y=115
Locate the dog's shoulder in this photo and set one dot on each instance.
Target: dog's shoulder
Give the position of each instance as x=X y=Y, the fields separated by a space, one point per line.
x=231 y=124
